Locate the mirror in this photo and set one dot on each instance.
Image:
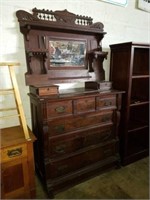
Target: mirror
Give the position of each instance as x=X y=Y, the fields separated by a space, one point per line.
x=67 y=53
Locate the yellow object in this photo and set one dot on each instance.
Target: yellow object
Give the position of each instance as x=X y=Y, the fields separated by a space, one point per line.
x=15 y=90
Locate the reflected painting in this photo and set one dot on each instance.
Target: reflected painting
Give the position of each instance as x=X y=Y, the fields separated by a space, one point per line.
x=64 y=53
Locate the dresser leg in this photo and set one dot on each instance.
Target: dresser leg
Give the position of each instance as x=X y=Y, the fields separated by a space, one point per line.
x=118 y=164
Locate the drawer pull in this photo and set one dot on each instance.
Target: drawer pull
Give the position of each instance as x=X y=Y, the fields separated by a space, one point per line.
x=60 y=149
x=107 y=152
x=60 y=128
x=14 y=152
x=62 y=168
x=105 y=135
x=105 y=118
x=107 y=103
x=60 y=109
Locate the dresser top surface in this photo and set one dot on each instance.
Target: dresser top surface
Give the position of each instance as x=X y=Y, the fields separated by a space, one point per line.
x=77 y=93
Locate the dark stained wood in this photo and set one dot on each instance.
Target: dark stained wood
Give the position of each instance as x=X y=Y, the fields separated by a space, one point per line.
x=44 y=25
x=78 y=135
x=130 y=72
x=77 y=129
x=57 y=19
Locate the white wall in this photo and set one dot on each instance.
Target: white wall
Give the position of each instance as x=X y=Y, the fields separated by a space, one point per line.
x=122 y=24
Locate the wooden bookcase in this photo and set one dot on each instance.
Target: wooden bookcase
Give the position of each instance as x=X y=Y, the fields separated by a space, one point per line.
x=130 y=72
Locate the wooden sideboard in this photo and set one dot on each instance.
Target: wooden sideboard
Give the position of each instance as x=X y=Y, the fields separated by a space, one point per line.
x=76 y=134
x=17 y=164
x=76 y=130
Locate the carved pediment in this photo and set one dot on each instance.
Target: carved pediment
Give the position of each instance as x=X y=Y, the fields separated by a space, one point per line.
x=65 y=16
x=25 y=16
x=58 y=17
x=98 y=25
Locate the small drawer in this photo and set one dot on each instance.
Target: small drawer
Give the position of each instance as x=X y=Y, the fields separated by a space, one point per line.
x=60 y=167
x=64 y=125
x=44 y=90
x=55 y=109
x=14 y=152
x=84 y=105
x=48 y=91
x=105 y=102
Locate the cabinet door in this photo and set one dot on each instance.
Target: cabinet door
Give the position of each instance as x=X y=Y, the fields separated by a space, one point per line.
x=15 y=179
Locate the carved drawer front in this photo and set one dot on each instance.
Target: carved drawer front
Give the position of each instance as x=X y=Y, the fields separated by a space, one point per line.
x=79 y=140
x=62 y=167
x=14 y=152
x=105 y=102
x=61 y=126
x=55 y=109
x=84 y=105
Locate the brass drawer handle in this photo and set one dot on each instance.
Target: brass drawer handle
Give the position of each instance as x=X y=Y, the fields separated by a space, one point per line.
x=62 y=168
x=105 y=118
x=107 y=103
x=105 y=135
x=60 y=128
x=60 y=149
x=14 y=152
x=108 y=152
x=60 y=109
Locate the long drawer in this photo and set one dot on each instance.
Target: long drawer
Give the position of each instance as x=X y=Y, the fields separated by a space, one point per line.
x=69 y=143
x=64 y=125
x=59 y=167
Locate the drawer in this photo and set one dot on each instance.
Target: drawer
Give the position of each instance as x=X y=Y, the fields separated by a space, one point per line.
x=55 y=109
x=66 y=144
x=61 y=126
x=43 y=91
x=105 y=102
x=57 y=168
x=84 y=105
x=11 y=153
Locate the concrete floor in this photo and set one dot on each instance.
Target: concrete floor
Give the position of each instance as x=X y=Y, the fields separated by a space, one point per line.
x=129 y=182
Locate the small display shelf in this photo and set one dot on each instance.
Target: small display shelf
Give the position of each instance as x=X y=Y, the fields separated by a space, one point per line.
x=138 y=117
x=138 y=142
x=141 y=61
x=140 y=90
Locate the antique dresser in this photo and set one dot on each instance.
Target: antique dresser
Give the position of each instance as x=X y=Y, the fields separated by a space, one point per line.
x=76 y=129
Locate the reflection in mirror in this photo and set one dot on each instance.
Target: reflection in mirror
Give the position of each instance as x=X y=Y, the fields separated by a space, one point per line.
x=65 y=53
